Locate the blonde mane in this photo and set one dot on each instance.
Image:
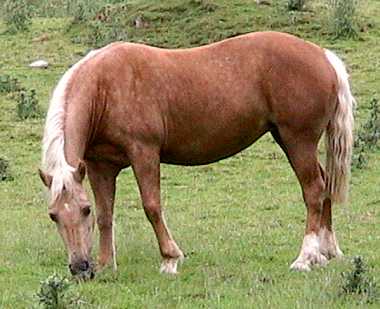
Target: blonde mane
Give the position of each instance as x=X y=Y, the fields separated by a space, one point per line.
x=53 y=145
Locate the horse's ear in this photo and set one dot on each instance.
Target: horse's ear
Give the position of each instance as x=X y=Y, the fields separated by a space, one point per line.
x=46 y=179
x=80 y=172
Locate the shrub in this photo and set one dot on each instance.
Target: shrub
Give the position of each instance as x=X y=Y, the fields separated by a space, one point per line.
x=205 y=5
x=296 y=5
x=78 y=10
x=27 y=105
x=359 y=157
x=55 y=293
x=17 y=15
x=108 y=25
x=344 y=18
x=8 y=84
x=83 y=10
x=101 y=34
x=52 y=292
x=5 y=174
x=359 y=281
x=368 y=135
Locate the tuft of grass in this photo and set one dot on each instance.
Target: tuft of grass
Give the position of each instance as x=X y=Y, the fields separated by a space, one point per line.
x=55 y=293
x=296 y=5
x=344 y=23
x=27 y=104
x=359 y=281
x=205 y=5
x=5 y=174
x=102 y=24
x=9 y=84
x=370 y=132
x=17 y=15
x=52 y=293
x=368 y=136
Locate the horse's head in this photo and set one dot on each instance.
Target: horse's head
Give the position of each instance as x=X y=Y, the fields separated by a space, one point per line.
x=70 y=209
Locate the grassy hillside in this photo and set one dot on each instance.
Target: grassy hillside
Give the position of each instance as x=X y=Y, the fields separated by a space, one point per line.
x=240 y=221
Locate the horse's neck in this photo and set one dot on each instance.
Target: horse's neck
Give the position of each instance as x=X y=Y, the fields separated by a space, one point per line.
x=77 y=130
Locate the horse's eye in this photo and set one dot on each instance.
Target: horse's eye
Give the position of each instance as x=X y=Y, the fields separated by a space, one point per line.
x=53 y=217
x=86 y=211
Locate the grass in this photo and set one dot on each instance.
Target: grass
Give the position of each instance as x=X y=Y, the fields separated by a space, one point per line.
x=240 y=221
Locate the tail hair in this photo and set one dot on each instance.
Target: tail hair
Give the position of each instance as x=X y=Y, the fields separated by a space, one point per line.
x=339 y=135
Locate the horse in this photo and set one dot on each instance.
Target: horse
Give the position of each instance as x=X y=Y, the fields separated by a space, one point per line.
x=133 y=105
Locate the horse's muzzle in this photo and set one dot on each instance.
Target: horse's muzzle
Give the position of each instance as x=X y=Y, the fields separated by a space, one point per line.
x=82 y=270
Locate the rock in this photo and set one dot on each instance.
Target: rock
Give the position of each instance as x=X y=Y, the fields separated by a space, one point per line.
x=40 y=64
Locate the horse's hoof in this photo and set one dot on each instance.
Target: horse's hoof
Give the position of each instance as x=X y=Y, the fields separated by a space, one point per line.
x=169 y=265
x=299 y=265
x=304 y=264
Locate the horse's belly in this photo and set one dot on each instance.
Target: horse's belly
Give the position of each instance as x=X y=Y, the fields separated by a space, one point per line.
x=207 y=148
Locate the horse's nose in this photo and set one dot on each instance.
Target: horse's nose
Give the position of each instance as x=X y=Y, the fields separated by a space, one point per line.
x=83 y=266
x=79 y=267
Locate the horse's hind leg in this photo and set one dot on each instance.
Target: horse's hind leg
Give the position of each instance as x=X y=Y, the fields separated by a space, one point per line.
x=302 y=154
x=328 y=244
x=146 y=167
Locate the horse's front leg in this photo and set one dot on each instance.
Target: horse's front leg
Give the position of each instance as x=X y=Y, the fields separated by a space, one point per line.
x=146 y=166
x=102 y=178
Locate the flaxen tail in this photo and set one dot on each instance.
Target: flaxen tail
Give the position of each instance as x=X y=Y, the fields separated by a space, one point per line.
x=339 y=136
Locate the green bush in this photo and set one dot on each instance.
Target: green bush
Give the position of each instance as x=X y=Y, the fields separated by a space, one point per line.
x=78 y=10
x=368 y=135
x=105 y=25
x=101 y=34
x=27 y=105
x=370 y=132
x=5 y=174
x=360 y=282
x=8 y=84
x=83 y=11
x=52 y=292
x=55 y=293
x=344 y=24
x=100 y=24
x=17 y=15
x=296 y=5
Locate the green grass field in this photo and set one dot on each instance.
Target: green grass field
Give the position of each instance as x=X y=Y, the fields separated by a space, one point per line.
x=240 y=222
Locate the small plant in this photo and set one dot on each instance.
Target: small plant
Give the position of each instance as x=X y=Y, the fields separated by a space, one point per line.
x=56 y=293
x=205 y=5
x=359 y=282
x=101 y=34
x=343 y=16
x=371 y=129
x=296 y=5
x=78 y=11
x=17 y=15
x=53 y=290
x=8 y=84
x=5 y=174
x=368 y=136
x=82 y=11
x=108 y=26
x=359 y=157
x=27 y=105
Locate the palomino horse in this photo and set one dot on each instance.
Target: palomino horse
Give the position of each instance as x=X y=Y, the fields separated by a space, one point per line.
x=134 y=105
